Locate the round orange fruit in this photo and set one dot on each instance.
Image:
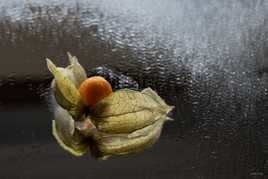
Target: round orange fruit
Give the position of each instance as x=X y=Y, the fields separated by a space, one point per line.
x=94 y=89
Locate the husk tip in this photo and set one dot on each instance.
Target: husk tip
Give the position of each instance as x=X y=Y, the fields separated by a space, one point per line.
x=50 y=65
x=72 y=59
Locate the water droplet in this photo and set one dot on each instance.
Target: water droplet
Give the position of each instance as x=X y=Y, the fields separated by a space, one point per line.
x=207 y=137
x=256 y=174
x=11 y=79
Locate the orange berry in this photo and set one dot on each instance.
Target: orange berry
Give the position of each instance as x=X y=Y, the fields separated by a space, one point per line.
x=94 y=89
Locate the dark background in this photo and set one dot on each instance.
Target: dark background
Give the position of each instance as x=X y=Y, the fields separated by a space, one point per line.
x=208 y=58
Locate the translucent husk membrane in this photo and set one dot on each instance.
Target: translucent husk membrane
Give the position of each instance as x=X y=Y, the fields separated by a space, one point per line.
x=125 y=122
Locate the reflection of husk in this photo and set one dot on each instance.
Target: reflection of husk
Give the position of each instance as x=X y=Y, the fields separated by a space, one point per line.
x=137 y=141
x=125 y=122
x=66 y=135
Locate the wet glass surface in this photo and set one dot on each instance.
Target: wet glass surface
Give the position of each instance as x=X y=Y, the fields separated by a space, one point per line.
x=208 y=58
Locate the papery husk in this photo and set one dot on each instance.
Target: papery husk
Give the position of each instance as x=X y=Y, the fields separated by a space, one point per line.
x=65 y=91
x=128 y=122
x=77 y=70
x=127 y=110
x=125 y=122
x=66 y=135
x=121 y=144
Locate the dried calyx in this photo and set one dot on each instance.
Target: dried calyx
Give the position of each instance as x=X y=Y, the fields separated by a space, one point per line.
x=120 y=122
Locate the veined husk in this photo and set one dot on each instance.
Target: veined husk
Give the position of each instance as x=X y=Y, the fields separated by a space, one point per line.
x=125 y=122
x=137 y=141
x=65 y=86
x=127 y=110
x=69 y=107
x=128 y=121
